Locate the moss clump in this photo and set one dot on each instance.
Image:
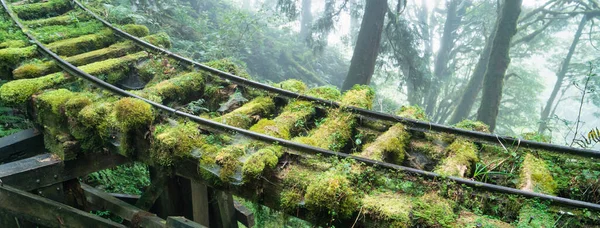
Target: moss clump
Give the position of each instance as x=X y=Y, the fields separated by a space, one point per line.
x=53 y=100
x=468 y=219
x=325 y=92
x=244 y=116
x=19 y=91
x=288 y=123
x=535 y=176
x=473 y=126
x=390 y=146
x=293 y=85
x=412 y=112
x=78 y=45
x=332 y=192
x=171 y=143
x=530 y=216
x=334 y=133
x=54 y=33
x=266 y=158
x=98 y=116
x=9 y=57
x=183 y=88
x=13 y=44
x=461 y=155
x=227 y=159
x=114 y=69
x=434 y=211
x=290 y=199
x=392 y=210
x=65 y=19
x=160 y=39
x=136 y=30
x=534 y=136
x=133 y=113
x=360 y=96
x=42 y=9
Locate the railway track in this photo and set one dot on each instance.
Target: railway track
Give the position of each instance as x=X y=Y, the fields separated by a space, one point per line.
x=302 y=150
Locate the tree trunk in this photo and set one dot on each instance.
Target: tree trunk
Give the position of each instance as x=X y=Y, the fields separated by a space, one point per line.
x=440 y=71
x=499 y=60
x=564 y=68
x=366 y=50
x=474 y=86
x=306 y=22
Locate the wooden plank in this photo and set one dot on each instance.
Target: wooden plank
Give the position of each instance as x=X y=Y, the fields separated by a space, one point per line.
x=21 y=145
x=137 y=217
x=225 y=211
x=243 y=215
x=45 y=170
x=200 y=203
x=47 y=212
x=127 y=198
x=152 y=192
x=181 y=222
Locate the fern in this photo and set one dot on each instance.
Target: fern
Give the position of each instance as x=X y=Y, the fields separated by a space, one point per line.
x=592 y=138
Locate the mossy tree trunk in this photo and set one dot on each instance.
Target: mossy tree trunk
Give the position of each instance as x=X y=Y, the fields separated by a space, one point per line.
x=564 y=68
x=498 y=63
x=366 y=50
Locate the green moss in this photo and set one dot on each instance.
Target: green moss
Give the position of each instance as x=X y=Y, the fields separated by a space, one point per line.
x=332 y=193
x=334 y=133
x=530 y=216
x=293 y=85
x=412 y=112
x=434 y=211
x=390 y=146
x=182 y=88
x=133 y=113
x=13 y=44
x=244 y=116
x=12 y=56
x=360 y=96
x=36 y=69
x=290 y=200
x=78 y=45
x=534 y=136
x=19 y=91
x=160 y=39
x=473 y=126
x=265 y=158
x=54 y=100
x=54 y=33
x=468 y=219
x=228 y=160
x=115 y=69
x=136 y=30
x=388 y=209
x=325 y=92
x=430 y=149
x=65 y=19
x=98 y=116
x=461 y=155
x=75 y=105
x=534 y=176
x=171 y=143
x=289 y=122
x=42 y=9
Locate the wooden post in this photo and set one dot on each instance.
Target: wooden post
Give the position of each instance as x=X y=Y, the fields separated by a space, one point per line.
x=200 y=204
x=222 y=210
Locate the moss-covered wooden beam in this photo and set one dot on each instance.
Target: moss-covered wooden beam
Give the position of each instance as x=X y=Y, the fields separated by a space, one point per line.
x=67 y=18
x=534 y=176
x=249 y=113
x=13 y=44
x=49 y=34
x=11 y=57
x=42 y=9
x=36 y=69
x=19 y=91
x=86 y=43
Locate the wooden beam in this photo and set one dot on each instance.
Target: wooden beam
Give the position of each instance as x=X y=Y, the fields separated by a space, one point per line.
x=21 y=145
x=222 y=205
x=152 y=192
x=181 y=222
x=45 y=169
x=137 y=217
x=243 y=215
x=47 y=212
x=200 y=203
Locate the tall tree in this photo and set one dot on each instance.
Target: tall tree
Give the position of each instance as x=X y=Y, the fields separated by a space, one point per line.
x=564 y=68
x=306 y=21
x=366 y=50
x=455 y=10
x=498 y=63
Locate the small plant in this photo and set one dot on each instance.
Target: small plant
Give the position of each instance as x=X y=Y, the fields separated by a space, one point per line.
x=482 y=172
x=197 y=107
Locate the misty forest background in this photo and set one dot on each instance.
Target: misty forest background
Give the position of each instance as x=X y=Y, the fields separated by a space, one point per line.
x=519 y=66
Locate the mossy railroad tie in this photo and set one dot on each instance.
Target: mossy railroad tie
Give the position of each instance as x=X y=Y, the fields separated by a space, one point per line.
x=36 y=69
x=67 y=18
x=535 y=177
x=335 y=132
x=85 y=43
x=19 y=91
x=462 y=153
x=247 y=114
x=42 y=9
